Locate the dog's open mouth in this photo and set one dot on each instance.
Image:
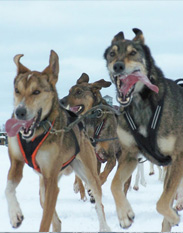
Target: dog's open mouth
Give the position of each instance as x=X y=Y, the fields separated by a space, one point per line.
x=78 y=109
x=25 y=127
x=126 y=85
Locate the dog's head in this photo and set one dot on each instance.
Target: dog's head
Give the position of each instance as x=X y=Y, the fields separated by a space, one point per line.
x=128 y=66
x=83 y=96
x=33 y=97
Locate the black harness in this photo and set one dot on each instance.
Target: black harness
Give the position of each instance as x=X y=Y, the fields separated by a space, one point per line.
x=149 y=144
x=97 y=132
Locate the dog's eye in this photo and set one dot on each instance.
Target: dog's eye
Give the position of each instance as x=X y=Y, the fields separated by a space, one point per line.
x=133 y=53
x=112 y=54
x=16 y=90
x=36 y=92
x=78 y=92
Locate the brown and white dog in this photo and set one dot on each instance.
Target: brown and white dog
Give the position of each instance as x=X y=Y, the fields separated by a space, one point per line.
x=39 y=119
x=101 y=129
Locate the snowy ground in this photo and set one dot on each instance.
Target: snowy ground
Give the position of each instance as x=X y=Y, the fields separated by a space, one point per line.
x=76 y=215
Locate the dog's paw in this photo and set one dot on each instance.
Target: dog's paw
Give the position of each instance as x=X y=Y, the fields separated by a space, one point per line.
x=136 y=188
x=175 y=220
x=76 y=187
x=92 y=199
x=127 y=220
x=16 y=220
x=105 y=228
x=179 y=205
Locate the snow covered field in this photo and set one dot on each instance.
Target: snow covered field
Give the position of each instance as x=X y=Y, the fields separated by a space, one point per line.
x=76 y=215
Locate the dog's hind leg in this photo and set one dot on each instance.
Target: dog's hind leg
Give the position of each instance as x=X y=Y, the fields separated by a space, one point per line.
x=126 y=166
x=56 y=222
x=179 y=197
x=137 y=178
x=165 y=203
x=14 y=178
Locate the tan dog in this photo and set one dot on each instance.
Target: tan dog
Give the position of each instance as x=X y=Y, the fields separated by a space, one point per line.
x=151 y=122
x=101 y=129
x=37 y=114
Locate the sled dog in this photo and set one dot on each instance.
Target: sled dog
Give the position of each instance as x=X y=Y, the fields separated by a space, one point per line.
x=151 y=122
x=38 y=136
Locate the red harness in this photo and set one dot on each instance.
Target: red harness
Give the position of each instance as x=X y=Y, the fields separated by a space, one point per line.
x=29 y=150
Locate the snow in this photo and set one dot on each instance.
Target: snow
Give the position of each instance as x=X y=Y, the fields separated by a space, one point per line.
x=79 y=216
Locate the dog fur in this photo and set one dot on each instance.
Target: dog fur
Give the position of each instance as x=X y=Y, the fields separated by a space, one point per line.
x=123 y=58
x=82 y=97
x=34 y=91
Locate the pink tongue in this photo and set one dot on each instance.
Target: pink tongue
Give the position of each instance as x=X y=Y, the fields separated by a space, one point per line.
x=75 y=108
x=13 y=126
x=133 y=78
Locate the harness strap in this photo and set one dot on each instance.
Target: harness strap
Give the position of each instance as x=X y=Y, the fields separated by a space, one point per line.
x=64 y=165
x=97 y=132
x=77 y=150
x=149 y=144
x=29 y=149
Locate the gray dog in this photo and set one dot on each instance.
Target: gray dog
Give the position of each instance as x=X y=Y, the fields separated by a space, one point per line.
x=151 y=122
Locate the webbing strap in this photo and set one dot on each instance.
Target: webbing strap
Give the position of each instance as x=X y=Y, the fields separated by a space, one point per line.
x=97 y=132
x=149 y=144
x=29 y=149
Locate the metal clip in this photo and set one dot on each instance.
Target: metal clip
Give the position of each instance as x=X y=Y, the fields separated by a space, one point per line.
x=99 y=113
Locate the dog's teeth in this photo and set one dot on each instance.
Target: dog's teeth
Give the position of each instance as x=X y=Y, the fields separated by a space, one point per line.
x=68 y=107
x=118 y=82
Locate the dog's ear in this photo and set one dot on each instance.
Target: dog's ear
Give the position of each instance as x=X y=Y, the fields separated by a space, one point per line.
x=101 y=83
x=83 y=79
x=20 y=68
x=53 y=68
x=139 y=35
x=119 y=36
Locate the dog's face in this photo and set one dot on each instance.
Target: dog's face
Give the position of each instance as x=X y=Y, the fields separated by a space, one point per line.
x=126 y=63
x=83 y=96
x=33 y=96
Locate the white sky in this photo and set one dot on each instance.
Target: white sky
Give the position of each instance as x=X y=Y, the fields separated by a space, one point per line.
x=80 y=31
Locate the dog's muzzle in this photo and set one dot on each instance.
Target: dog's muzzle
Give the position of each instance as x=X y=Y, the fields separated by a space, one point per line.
x=20 y=124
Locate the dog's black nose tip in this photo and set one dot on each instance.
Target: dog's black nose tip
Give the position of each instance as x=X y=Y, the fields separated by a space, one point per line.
x=21 y=113
x=119 y=66
x=63 y=101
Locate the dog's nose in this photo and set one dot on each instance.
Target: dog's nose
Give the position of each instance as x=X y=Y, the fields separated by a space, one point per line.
x=21 y=113
x=119 y=66
x=63 y=101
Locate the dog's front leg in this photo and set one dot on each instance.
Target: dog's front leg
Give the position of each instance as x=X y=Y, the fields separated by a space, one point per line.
x=51 y=192
x=126 y=165
x=111 y=162
x=164 y=206
x=14 y=178
x=56 y=222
